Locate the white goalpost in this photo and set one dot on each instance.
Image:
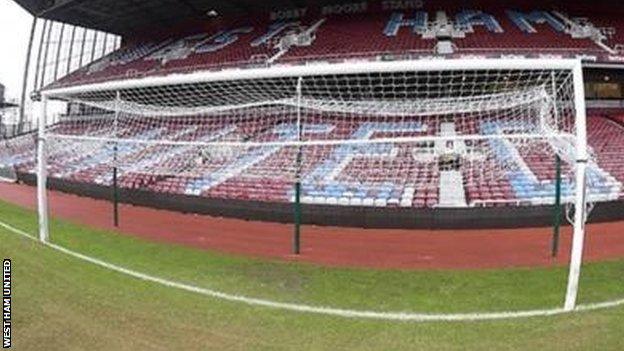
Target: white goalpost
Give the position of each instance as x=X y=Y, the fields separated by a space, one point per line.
x=582 y=158
x=353 y=134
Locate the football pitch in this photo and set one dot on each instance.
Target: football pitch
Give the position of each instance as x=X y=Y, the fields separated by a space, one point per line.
x=61 y=302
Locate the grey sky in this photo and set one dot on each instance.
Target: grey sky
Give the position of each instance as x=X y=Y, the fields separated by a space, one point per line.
x=14 y=30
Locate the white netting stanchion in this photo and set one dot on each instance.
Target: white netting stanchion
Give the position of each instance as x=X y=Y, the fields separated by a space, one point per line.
x=388 y=134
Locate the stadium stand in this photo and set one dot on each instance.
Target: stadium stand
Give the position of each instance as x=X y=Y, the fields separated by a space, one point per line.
x=420 y=176
x=409 y=180
x=373 y=35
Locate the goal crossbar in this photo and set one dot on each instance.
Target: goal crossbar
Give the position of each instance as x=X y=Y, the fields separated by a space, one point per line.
x=316 y=69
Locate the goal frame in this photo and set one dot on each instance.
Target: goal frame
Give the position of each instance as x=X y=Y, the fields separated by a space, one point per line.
x=326 y=68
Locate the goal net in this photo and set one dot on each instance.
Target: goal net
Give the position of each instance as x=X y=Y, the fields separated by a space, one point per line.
x=397 y=136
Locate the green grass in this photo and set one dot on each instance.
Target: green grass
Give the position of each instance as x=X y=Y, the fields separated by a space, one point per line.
x=65 y=303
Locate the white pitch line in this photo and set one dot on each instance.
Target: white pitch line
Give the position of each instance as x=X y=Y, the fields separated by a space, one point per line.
x=329 y=311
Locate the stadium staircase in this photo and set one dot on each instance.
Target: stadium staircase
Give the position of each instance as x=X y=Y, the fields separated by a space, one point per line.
x=452 y=189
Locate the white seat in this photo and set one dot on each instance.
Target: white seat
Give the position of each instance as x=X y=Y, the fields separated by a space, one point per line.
x=381 y=203
x=356 y=201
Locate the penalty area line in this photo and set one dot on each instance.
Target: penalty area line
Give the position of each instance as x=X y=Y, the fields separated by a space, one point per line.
x=319 y=310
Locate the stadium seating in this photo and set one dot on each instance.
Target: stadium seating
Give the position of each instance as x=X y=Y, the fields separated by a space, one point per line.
x=381 y=175
x=494 y=31
x=514 y=41
x=359 y=36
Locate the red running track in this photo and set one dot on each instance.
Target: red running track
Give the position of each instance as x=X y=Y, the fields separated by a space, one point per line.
x=332 y=246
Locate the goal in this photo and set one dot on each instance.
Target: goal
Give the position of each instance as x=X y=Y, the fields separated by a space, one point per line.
x=431 y=133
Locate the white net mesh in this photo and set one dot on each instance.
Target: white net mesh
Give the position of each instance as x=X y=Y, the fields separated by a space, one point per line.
x=408 y=139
